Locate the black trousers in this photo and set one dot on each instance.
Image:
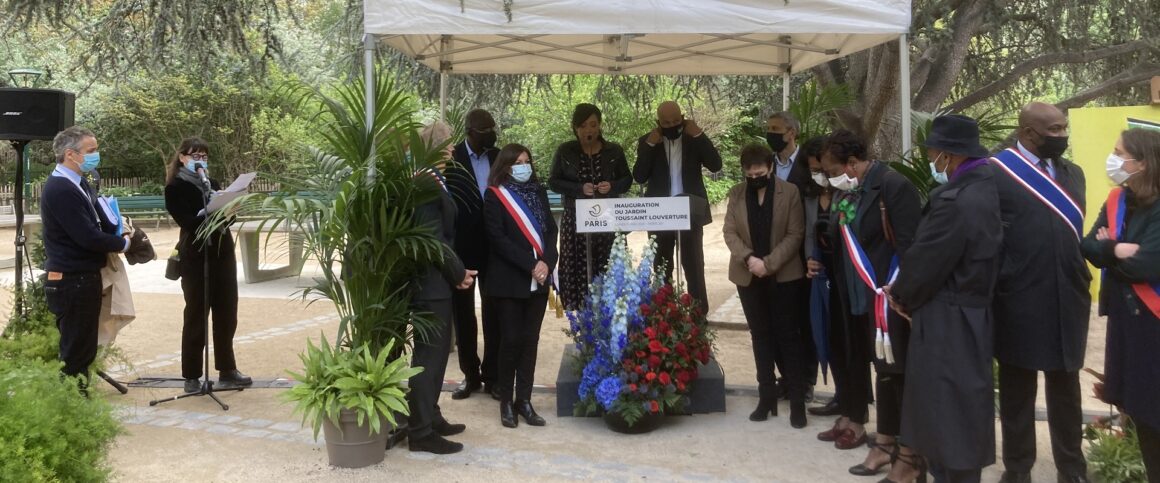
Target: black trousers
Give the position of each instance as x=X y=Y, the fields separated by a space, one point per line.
x=809 y=353
x=521 y=320
x=223 y=307
x=851 y=349
x=75 y=300
x=692 y=259
x=772 y=310
x=1150 y=447
x=467 y=336
x=889 y=404
x=1017 y=389
x=431 y=355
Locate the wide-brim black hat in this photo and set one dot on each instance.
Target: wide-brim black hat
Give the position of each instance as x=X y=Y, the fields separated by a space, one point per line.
x=956 y=134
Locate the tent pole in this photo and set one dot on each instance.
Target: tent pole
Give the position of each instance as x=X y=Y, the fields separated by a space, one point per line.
x=369 y=46
x=443 y=96
x=785 y=91
x=904 y=91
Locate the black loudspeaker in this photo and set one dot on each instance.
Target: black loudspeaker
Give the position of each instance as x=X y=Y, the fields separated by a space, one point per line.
x=34 y=114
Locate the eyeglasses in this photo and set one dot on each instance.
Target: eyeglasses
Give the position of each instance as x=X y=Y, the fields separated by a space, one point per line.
x=198 y=156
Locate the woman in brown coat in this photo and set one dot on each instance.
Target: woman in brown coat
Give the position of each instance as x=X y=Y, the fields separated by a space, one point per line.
x=764 y=228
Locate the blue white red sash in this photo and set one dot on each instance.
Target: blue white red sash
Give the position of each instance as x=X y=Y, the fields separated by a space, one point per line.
x=1043 y=187
x=1116 y=207
x=525 y=220
x=439 y=179
x=865 y=270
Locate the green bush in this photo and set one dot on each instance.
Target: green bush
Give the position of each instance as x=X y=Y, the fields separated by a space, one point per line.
x=48 y=431
x=1114 y=453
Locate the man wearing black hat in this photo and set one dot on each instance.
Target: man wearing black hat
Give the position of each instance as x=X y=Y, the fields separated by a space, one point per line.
x=945 y=284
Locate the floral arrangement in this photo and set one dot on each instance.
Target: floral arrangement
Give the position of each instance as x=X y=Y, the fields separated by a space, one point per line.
x=639 y=340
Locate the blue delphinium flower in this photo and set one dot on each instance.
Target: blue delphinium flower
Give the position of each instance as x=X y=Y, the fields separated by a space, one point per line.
x=608 y=391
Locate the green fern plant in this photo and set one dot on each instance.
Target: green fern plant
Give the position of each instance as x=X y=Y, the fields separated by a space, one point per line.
x=915 y=165
x=814 y=108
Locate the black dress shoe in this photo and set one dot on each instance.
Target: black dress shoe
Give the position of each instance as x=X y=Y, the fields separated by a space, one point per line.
x=192 y=385
x=447 y=429
x=434 y=443
x=829 y=409
x=465 y=389
x=524 y=408
x=493 y=391
x=507 y=415
x=234 y=377
x=1015 y=477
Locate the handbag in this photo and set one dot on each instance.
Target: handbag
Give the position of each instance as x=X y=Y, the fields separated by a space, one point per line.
x=173 y=265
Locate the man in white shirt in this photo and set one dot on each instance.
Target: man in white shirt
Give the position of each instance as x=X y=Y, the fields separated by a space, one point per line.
x=669 y=160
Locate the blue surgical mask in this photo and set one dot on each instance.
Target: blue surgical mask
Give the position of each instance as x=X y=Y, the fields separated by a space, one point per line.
x=193 y=166
x=92 y=160
x=521 y=172
x=940 y=178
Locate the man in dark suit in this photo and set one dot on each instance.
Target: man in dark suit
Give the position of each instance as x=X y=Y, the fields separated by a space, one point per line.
x=1041 y=305
x=466 y=182
x=426 y=425
x=781 y=131
x=76 y=247
x=669 y=159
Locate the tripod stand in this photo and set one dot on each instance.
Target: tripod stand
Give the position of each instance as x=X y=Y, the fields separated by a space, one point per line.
x=206 y=388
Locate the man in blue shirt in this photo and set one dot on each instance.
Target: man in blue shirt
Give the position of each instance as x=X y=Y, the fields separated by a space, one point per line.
x=76 y=246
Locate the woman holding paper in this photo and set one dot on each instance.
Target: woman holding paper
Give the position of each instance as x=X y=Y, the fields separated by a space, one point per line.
x=521 y=237
x=187 y=190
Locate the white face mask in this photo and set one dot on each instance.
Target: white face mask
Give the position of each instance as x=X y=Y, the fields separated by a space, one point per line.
x=521 y=172
x=844 y=182
x=940 y=178
x=820 y=179
x=1115 y=169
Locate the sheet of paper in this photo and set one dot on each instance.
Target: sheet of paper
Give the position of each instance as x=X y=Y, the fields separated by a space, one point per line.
x=240 y=186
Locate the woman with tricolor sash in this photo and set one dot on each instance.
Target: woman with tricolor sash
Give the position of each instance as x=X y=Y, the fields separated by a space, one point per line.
x=1125 y=244
x=521 y=236
x=875 y=220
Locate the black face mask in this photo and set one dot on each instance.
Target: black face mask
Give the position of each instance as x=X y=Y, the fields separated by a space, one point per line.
x=487 y=139
x=757 y=183
x=673 y=132
x=776 y=141
x=1052 y=147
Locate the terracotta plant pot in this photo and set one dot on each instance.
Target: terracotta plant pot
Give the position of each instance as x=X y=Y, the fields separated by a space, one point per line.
x=645 y=424
x=354 y=446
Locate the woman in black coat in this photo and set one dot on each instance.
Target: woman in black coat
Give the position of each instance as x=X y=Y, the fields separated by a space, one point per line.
x=882 y=210
x=521 y=237
x=588 y=167
x=186 y=195
x=1125 y=243
x=946 y=284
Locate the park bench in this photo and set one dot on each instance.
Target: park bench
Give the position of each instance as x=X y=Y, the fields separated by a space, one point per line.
x=556 y=203
x=146 y=206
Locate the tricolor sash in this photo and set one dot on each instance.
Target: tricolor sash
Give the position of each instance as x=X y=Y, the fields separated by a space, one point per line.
x=525 y=220
x=1116 y=207
x=1042 y=186
x=865 y=270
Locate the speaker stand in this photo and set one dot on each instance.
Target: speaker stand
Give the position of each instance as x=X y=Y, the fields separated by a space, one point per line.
x=18 y=208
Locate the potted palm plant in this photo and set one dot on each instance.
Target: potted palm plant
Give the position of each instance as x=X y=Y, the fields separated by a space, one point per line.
x=354 y=211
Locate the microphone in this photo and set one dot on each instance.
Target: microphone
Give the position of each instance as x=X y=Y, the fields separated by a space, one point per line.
x=204 y=179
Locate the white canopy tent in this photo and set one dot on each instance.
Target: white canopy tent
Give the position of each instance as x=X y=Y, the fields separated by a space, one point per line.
x=700 y=37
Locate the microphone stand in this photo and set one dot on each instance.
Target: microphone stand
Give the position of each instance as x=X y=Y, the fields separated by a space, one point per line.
x=207 y=388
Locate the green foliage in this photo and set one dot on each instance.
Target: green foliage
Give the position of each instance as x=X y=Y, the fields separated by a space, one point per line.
x=357 y=206
x=48 y=431
x=31 y=336
x=915 y=165
x=1114 y=453
x=336 y=379
x=814 y=107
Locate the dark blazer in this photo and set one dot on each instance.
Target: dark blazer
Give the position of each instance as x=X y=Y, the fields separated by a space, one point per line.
x=945 y=283
x=74 y=240
x=565 y=178
x=438 y=280
x=652 y=165
x=1143 y=228
x=470 y=242
x=904 y=210
x=511 y=258
x=786 y=234
x=183 y=201
x=799 y=176
x=1042 y=302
